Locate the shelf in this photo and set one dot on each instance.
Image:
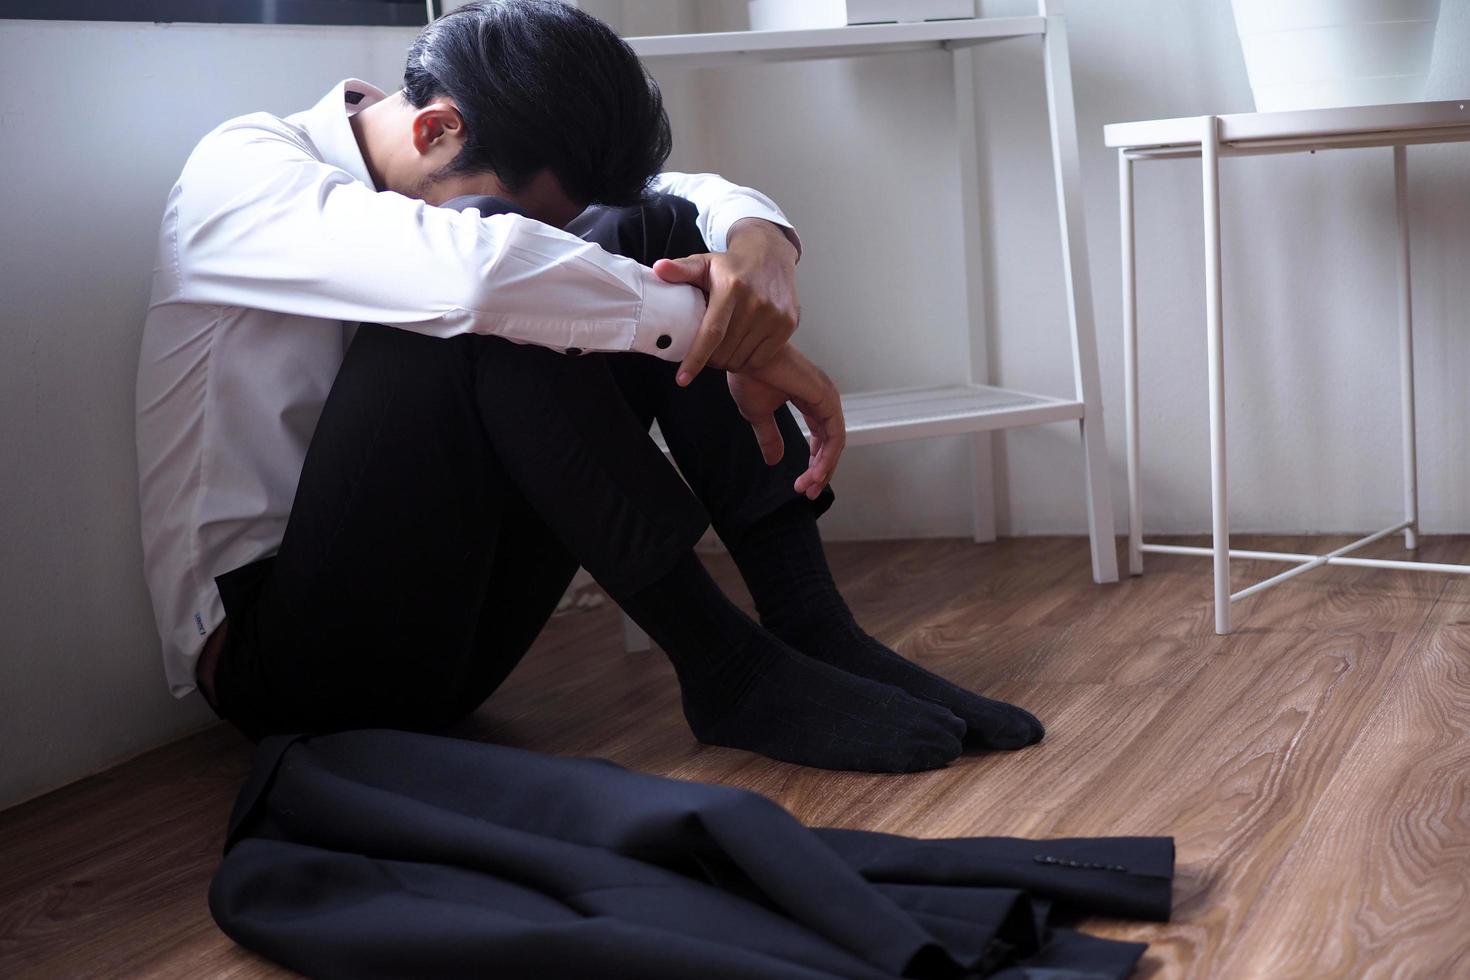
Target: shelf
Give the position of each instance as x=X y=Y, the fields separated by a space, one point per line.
x=703 y=50
x=923 y=413
x=1248 y=133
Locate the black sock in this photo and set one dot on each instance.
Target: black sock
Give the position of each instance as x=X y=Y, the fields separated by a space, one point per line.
x=782 y=561
x=744 y=688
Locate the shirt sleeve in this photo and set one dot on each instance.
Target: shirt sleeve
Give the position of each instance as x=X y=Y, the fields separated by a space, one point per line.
x=721 y=204
x=260 y=221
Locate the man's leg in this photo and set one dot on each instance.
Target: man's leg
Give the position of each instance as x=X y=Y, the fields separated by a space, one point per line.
x=769 y=528
x=737 y=487
x=370 y=614
x=771 y=531
x=529 y=575
x=584 y=468
x=783 y=564
x=373 y=612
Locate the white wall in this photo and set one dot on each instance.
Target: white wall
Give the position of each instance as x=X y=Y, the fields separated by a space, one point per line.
x=95 y=120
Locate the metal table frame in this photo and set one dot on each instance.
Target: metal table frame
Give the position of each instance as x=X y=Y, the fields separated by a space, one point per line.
x=1213 y=137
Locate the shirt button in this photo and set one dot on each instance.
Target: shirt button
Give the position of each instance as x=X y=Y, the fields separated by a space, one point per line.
x=663 y=341
x=574 y=351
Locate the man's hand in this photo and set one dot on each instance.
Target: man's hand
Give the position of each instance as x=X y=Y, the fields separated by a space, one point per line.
x=791 y=377
x=752 y=308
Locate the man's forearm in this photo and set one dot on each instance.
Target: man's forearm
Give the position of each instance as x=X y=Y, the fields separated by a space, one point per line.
x=771 y=235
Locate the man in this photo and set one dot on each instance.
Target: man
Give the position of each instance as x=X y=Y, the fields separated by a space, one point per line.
x=367 y=526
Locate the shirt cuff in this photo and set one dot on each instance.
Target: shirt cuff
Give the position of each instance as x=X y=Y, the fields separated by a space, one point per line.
x=732 y=211
x=669 y=319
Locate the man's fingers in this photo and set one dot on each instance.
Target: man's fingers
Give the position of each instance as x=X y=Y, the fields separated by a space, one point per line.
x=828 y=437
x=764 y=354
x=768 y=437
x=693 y=269
x=737 y=356
x=818 y=437
x=819 y=472
x=826 y=461
x=711 y=332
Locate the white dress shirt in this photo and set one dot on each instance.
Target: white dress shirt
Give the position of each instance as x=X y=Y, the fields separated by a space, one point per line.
x=274 y=244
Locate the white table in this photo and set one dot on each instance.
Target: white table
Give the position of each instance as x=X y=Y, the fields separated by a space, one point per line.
x=1246 y=134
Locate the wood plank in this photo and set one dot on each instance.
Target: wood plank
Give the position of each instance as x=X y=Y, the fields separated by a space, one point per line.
x=1383 y=856
x=1232 y=767
x=1312 y=766
x=1381 y=860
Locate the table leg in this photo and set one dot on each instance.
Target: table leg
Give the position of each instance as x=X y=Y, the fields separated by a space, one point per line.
x=1130 y=363
x=1215 y=339
x=1406 y=350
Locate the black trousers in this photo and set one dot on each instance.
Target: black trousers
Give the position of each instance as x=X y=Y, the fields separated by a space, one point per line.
x=379 y=854
x=451 y=489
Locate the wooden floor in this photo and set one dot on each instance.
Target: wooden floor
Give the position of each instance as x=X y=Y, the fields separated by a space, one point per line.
x=1314 y=766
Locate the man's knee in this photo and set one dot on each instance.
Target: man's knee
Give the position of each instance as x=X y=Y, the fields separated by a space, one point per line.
x=662 y=226
x=672 y=211
x=671 y=228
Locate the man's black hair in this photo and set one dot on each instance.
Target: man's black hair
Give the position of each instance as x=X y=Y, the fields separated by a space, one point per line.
x=542 y=85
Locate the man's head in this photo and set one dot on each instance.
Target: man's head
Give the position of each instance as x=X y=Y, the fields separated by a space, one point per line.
x=533 y=100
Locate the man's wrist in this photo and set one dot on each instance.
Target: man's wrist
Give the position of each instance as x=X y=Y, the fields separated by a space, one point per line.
x=767 y=234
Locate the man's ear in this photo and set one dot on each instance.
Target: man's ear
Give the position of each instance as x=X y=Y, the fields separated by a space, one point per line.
x=437 y=127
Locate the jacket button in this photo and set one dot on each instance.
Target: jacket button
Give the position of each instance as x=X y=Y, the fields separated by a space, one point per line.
x=574 y=351
x=663 y=341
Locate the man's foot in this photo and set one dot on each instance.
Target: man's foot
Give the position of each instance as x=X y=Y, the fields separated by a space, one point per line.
x=800 y=710
x=745 y=689
x=989 y=724
x=785 y=567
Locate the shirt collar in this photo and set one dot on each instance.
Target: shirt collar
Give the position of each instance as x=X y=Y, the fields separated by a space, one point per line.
x=327 y=122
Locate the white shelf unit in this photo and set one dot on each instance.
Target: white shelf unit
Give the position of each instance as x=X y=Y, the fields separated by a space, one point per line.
x=977 y=408
x=710 y=50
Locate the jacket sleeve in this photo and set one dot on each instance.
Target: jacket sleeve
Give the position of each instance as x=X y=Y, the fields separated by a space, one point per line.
x=260 y=221
x=721 y=204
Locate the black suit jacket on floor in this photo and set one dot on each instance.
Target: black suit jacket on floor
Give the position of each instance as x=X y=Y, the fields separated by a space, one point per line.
x=388 y=854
